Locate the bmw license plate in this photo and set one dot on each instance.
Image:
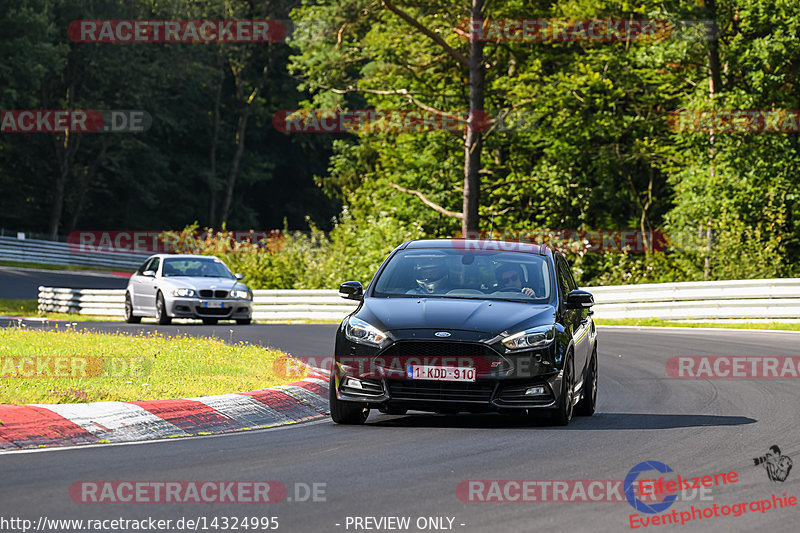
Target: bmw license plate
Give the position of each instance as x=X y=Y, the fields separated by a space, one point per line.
x=214 y=304
x=440 y=373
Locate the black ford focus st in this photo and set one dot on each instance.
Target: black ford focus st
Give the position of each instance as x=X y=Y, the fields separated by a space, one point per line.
x=466 y=326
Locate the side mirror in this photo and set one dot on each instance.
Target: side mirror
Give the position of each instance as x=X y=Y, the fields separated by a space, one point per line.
x=238 y=276
x=579 y=300
x=351 y=290
x=149 y=273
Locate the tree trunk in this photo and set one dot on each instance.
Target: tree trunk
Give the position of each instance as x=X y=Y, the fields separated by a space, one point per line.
x=87 y=179
x=212 y=159
x=241 y=130
x=714 y=86
x=473 y=141
x=237 y=157
x=65 y=155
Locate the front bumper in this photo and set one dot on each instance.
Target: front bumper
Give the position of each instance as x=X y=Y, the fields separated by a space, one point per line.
x=504 y=381
x=479 y=396
x=228 y=308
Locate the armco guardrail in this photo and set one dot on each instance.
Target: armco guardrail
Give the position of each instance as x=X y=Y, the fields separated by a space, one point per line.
x=775 y=299
x=267 y=304
x=59 y=253
x=772 y=299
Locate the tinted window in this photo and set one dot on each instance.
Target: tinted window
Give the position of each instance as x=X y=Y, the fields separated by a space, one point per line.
x=564 y=266
x=458 y=273
x=196 y=267
x=144 y=265
x=562 y=275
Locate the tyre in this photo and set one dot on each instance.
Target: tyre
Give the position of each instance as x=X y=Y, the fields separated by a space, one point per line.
x=129 y=316
x=210 y=321
x=563 y=413
x=161 y=310
x=586 y=406
x=243 y=321
x=344 y=412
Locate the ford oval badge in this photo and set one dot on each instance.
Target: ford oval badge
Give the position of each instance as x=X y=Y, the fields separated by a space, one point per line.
x=442 y=334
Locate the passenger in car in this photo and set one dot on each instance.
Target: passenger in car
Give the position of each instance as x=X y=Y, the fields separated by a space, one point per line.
x=510 y=278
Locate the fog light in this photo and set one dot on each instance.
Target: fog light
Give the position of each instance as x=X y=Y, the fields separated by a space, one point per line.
x=534 y=391
x=353 y=383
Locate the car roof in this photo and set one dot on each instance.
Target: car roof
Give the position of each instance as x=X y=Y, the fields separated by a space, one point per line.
x=185 y=256
x=479 y=245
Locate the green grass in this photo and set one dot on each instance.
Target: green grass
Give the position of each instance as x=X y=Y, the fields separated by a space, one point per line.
x=111 y=367
x=19 y=307
x=30 y=308
x=729 y=325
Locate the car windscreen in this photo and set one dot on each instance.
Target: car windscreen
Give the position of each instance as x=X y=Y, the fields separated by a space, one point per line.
x=194 y=267
x=466 y=274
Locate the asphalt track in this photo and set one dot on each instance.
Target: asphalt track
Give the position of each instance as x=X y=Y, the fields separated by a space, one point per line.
x=23 y=283
x=412 y=465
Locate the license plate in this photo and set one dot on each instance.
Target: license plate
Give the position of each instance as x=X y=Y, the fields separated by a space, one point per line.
x=440 y=373
x=213 y=304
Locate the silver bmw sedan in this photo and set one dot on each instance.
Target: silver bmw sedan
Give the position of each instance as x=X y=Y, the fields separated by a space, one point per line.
x=169 y=286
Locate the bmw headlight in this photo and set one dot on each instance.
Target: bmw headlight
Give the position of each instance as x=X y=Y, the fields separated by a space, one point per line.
x=183 y=292
x=240 y=294
x=359 y=331
x=530 y=338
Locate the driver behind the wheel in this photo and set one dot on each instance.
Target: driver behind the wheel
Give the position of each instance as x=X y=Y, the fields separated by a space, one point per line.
x=431 y=277
x=510 y=278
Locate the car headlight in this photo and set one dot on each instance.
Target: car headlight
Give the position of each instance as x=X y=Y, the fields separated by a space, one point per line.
x=359 y=331
x=238 y=293
x=530 y=338
x=183 y=292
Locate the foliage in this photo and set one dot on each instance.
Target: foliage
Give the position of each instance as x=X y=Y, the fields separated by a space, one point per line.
x=581 y=136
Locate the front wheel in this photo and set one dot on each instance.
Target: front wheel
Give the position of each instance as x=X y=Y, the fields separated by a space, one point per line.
x=587 y=404
x=563 y=414
x=161 y=311
x=130 y=318
x=345 y=412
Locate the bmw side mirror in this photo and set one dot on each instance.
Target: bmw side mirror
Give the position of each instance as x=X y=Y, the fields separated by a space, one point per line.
x=579 y=300
x=149 y=273
x=238 y=276
x=351 y=290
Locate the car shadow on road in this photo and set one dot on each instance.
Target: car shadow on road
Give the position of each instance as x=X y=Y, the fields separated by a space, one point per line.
x=600 y=421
